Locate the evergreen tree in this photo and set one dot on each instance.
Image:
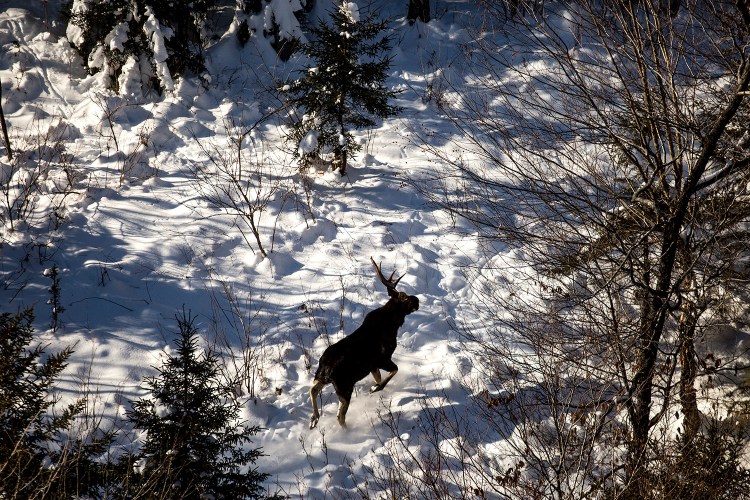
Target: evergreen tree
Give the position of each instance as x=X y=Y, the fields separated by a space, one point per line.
x=281 y=22
x=342 y=87
x=193 y=447
x=139 y=44
x=37 y=457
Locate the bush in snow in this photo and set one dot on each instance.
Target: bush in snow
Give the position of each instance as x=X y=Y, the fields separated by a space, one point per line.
x=342 y=87
x=139 y=44
x=193 y=447
x=712 y=464
x=38 y=182
x=37 y=457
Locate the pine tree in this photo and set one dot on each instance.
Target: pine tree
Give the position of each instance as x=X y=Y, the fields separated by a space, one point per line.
x=343 y=88
x=38 y=459
x=140 y=43
x=193 y=447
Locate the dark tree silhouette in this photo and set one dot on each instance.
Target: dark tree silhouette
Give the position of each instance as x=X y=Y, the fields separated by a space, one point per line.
x=38 y=459
x=194 y=447
x=4 y=126
x=419 y=10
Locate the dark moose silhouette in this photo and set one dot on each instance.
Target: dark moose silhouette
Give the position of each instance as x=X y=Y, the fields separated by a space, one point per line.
x=367 y=350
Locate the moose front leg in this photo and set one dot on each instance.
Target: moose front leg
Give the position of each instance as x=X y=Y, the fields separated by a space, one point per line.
x=391 y=367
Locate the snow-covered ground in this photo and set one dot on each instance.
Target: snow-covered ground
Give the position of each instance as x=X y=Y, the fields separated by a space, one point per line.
x=137 y=242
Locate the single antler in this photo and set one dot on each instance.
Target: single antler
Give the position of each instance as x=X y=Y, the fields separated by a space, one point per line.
x=389 y=283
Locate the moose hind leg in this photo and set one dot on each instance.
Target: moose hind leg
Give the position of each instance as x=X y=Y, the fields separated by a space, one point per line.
x=343 y=408
x=345 y=395
x=314 y=391
x=391 y=367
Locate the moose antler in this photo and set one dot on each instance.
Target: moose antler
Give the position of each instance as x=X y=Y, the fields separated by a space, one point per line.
x=389 y=283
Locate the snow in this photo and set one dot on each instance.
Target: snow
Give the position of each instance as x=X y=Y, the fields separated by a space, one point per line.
x=117 y=38
x=157 y=34
x=351 y=11
x=309 y=143
x=74 y=33
x=281 y=12
x=137 y=241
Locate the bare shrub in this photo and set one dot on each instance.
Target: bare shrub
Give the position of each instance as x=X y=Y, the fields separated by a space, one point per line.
x=35 y=186
x=240 y=326
x=129 y=157
x=243 y=183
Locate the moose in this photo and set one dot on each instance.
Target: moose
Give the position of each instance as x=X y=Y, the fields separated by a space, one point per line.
x=367 y=350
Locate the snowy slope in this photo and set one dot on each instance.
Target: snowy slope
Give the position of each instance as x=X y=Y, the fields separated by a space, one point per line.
x=138 y=242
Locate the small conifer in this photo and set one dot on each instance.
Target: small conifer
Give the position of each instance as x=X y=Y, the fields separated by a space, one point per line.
x=38 y=457
x=193 y=446
x=343 y=86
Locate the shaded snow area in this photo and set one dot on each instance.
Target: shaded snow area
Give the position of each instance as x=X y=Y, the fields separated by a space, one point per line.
x=130 y=214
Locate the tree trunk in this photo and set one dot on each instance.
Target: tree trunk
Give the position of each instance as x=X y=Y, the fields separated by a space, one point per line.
x=340 y=151
x=339 y=161
x=653 y=317
x=4 y=126
x=419 y=9
x=688 y=321
x=689 y=370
